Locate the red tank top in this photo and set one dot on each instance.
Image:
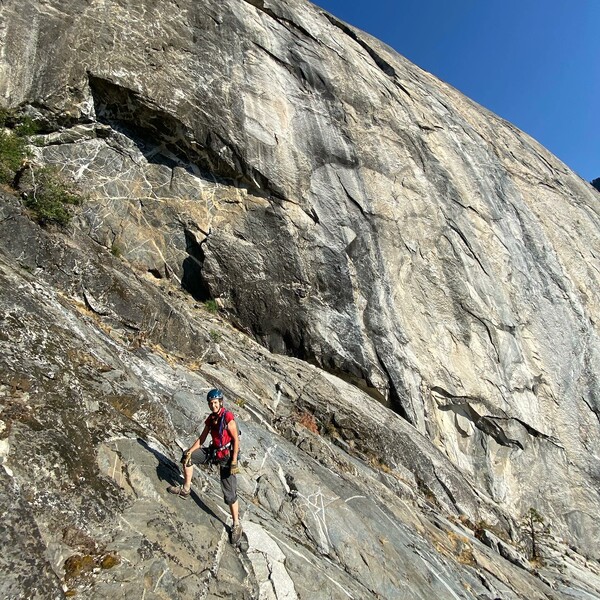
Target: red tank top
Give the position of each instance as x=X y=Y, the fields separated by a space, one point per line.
x=221 y=437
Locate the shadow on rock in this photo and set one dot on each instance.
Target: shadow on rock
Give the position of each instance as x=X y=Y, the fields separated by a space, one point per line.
x=168 y=471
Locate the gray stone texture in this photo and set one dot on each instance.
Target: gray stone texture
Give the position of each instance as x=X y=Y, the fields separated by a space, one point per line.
x=344 y=208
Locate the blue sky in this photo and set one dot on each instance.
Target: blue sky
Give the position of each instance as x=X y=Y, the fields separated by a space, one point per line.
x=535 y=63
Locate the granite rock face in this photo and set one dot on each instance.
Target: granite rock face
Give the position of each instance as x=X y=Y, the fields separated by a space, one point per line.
x=343 y=207
x=100 y=391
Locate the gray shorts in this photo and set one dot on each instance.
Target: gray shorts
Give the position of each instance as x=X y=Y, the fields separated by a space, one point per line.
x=203 y=456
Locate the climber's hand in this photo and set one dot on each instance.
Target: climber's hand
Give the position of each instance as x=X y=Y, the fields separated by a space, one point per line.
x=186 y=459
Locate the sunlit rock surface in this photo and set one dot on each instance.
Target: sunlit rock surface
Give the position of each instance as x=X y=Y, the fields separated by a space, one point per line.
x=341 y=206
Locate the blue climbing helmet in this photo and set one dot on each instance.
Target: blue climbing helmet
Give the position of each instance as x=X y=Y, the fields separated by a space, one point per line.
x=214 y=394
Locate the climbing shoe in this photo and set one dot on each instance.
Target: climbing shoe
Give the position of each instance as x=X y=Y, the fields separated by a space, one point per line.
x=236 y=534
x=178 y=491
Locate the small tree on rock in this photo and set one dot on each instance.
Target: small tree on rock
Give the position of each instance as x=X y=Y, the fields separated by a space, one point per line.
x=596 y=183
x=536 y=532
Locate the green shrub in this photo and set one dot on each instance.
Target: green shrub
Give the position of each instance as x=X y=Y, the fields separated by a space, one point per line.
x=51 y=197
x=26 y=126
x=13 y=150
x=4 y=117
x=14 y=132
x=48 y=194
x=211 y=306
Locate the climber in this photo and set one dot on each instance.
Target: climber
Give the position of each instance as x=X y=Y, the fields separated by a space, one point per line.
x=223 y=451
